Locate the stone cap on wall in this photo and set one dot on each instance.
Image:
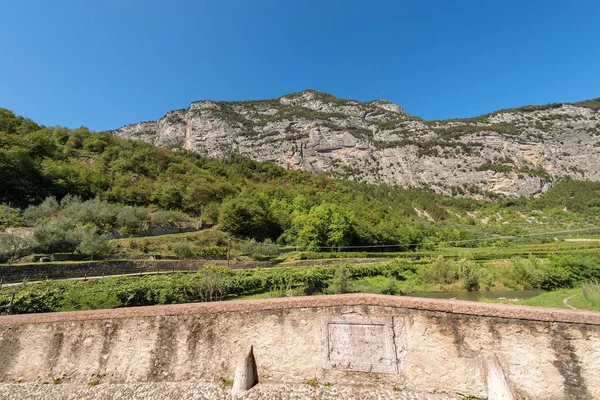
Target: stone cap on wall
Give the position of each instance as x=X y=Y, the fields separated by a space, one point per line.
x=340 y=300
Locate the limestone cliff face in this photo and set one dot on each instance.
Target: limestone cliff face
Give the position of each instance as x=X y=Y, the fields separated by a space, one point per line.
x=516 y=152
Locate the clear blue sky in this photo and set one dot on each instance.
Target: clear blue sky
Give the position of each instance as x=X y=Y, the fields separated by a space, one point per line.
x=107 y=63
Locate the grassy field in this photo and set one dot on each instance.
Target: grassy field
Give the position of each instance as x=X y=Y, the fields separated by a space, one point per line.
x=556 y=299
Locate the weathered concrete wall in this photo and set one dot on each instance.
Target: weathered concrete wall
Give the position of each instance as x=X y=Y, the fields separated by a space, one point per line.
x=436 y=345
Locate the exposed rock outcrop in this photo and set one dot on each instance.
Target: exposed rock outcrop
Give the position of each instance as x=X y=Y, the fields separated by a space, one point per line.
x=516 y=152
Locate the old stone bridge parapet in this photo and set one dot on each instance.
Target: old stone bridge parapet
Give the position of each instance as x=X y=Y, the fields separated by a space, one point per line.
x=414 y=344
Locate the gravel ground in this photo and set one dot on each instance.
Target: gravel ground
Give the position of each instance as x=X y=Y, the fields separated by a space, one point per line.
x=196 y=391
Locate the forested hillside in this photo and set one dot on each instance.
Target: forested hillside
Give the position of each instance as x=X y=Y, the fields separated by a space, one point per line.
x=259 y=200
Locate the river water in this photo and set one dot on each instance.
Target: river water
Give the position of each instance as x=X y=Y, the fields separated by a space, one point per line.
x=477 y=296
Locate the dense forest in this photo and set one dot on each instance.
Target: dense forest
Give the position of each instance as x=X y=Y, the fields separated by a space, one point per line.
x=65 y=174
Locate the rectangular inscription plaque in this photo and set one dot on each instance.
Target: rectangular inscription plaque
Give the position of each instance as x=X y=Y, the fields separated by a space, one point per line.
x=354 y=343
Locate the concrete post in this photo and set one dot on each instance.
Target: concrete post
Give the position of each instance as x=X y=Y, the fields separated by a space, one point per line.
x=497 y=386
x=246 y=374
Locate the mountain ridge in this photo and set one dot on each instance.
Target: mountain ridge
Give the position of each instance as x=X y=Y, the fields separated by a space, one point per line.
x=511 y=152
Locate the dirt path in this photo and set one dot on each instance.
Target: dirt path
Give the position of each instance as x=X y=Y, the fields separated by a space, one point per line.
x=566 y=302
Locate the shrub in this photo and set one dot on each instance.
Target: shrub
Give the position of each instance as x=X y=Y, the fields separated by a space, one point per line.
x=441 y=271
x=36 y=300
x=167 y=219
x=580 y=267
x=140 y=294
x=391 y=287
x=341 y=280
x=468 y=272
x=315 y=280
x=265 y=250
x=401 y=269
x=486 y=277
x=525 y=273
x=489 y=166
x=212 y=283
x=182 y=250
x=212 y=237
x=212 y=252
x=556 y=278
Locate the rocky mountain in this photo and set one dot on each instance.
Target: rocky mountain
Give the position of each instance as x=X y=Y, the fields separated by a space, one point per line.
x=513 y=152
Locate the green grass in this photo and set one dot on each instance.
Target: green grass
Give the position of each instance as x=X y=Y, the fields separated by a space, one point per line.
x=226 y=382
x=313 y=382
x=264 y=295
x=581 y=303
x=555 y=298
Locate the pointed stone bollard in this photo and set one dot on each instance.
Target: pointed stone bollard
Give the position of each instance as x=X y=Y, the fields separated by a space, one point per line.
x=246 y=375
x=497 y=386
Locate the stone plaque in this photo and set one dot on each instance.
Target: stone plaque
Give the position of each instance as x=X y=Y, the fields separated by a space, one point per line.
x=354 y=343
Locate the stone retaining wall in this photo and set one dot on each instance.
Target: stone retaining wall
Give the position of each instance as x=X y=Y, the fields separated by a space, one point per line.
x=40 y=271
x=389 y=341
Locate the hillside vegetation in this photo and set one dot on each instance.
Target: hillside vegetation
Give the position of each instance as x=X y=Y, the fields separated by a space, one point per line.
x=50 y=175
x=214 y=283
x=512 y=152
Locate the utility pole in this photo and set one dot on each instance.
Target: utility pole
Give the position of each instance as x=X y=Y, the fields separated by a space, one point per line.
x=228 y=251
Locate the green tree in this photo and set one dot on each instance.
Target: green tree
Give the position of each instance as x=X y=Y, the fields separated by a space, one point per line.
x=41 y=144
x=165 y=219
x=92 y=244
x=130 y=220
x=9 y=217
x=46 y=209
x=246 y=218
x=326 y=225
x=56 y=236
x=13 y=246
